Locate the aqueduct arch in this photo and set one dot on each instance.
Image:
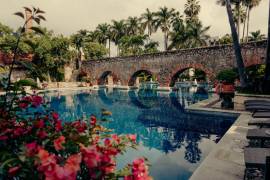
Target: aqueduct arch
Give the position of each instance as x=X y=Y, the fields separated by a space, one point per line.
x=165 y=65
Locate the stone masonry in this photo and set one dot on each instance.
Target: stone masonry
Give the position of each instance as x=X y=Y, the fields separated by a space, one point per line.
x=165 y=65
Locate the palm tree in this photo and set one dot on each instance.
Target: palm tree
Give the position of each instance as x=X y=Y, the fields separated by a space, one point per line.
x=148 y=22
x=256 y=36
x=266 y=84
x=133 y=25
x=192 y=10
x=237 y=4
x=118 y=30
x=239 y=15
x=104 y=35
x=250 y=4
x=237 y=48
x=78 y=40
x=163 y=21
x=178 y=35
x=197 y=34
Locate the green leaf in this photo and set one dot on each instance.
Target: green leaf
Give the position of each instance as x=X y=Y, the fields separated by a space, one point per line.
x=41 y=17
x=37 y=30
x=37 y=20
x=19 y=14
x=27 y=9
x=40 y=11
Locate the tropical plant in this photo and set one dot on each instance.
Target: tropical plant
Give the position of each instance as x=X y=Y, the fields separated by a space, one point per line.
x=226 y=39
x=118 y=31
x=250 y=4
x=256 y=36
x=132 y=45
x=192 y=10
x=147 y=19
x=133 y=26
x=237 y=48
x=227 y=75
x=151 y=47
x=94 y=50
x=163 y=21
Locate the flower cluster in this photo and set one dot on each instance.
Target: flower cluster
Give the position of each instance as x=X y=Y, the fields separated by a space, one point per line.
x=48 y=148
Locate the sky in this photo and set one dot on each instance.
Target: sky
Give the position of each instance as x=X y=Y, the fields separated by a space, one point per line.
x=69 y=16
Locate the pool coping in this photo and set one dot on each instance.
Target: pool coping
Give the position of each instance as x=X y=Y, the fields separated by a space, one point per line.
x=226 y=160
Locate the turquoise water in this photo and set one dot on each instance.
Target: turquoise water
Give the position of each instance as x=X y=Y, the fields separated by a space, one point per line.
x=174 y=141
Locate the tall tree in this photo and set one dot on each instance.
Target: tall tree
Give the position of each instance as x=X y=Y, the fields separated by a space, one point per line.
x=148 y=22
x=250 y=4
x=192 y=10
x=118 y=30
x=237 y=48
x=78 y=40
x=266 y=84
x=196 y=34
x=237 y=4
x=163 y=21
x=104 y=31
x=133 y=26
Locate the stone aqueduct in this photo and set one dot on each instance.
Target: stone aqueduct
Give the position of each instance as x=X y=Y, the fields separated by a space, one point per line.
x=166 y=65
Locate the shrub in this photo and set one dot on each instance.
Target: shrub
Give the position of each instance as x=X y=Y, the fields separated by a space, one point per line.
x=227 y=75
x=26 y=82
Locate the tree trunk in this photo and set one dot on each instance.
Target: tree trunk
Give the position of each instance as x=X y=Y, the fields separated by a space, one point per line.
x=109 y=48
x=238 y=20
x=248 y=23
x=266 y=84
x=244 y=28
x=165 y=41
x=237 y=48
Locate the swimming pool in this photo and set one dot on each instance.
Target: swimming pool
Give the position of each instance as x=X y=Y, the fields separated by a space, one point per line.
x=174 y=141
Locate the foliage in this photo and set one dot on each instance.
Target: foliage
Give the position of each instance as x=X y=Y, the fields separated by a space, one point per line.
x=26 y=82
x=94 y=50
x=226 y=39
x=35 y=143
x=132 y=45
x=227 y=75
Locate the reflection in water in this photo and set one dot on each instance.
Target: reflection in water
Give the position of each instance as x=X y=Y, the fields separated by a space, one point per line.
x=175 y=141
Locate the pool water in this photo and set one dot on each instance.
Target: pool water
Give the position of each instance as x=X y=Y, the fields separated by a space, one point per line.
x=174 y=141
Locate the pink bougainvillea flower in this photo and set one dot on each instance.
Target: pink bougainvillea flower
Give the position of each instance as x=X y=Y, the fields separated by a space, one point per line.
x=37 y=100
x=55 y=115
x=132 y=137
x=40 y=124
x=13 y=170
x=80 y=126
x=42 y=134
x=107 y=142
x=31 y=149
x=93 y=120
x=3 y=138
x=91 y=155
x=58 y=125
x=58 y=143
x=23 y=105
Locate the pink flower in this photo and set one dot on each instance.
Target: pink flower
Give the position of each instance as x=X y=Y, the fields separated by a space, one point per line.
x=40 y=124
x=58 y=143
x=139 y=171
x=42 y=134
x=91 y=155
x=37 y=100
x=93 y=120
x=23 y=105
x=107 y=142
x=3 y=138
x=55 y=115
x=31 y=149
x=58 y=125
x=13 y=170
x=80 y=126
x=132 y=137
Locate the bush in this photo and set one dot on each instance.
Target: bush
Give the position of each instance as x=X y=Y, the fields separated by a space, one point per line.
x=26 y=82
x=227 y=75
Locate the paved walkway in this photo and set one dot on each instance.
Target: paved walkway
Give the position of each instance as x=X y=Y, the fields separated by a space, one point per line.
x=226 y=160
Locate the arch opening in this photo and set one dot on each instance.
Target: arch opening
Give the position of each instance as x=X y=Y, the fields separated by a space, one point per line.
x=108 y=78
x=141 y=76
x=189 y=74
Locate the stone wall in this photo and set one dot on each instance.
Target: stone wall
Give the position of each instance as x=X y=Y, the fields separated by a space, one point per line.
x=165 y=65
